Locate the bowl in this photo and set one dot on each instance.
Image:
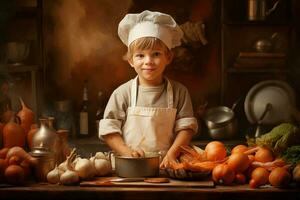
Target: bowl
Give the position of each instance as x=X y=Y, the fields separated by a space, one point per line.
x=130 y=167
x=17 y=52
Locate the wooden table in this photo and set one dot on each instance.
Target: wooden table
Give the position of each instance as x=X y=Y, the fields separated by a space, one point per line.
x=55 y=192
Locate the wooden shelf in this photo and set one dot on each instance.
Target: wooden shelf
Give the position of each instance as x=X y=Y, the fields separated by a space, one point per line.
x=11 y=68
x=244 y=70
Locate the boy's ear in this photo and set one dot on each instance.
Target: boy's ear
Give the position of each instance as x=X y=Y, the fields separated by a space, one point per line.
x=170 y=56
x=130 y=62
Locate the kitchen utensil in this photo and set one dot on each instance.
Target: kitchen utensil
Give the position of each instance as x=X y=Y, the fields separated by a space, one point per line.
x=258 y=131
x=278 y=93
x=17 y=52
x=130 y=167
x=265 y=44
x=105 y=182
x=258 y=11
x=221 y=122
x=45 y=162
x=148 y=180
x=47 y=140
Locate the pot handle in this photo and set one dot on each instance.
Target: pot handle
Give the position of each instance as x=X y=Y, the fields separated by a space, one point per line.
x=111 y=157
x=235 y=103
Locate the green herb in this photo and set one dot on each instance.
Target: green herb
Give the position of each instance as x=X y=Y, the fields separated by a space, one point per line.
x=292 y=155
x=280 y=137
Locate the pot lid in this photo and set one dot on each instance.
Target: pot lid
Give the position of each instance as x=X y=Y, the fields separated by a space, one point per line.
x=278 y=93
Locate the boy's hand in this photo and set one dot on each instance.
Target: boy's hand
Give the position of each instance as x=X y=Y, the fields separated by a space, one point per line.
x=168 y=160
x=138 y=153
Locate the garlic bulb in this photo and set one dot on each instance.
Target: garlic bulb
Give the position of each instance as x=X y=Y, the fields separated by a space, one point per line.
x=54 y=175
x=84 y=167
x=102 y=167
x=69 y=177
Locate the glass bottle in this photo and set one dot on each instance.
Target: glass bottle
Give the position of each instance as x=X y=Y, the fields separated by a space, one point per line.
x=100 y=109
x=84 y=114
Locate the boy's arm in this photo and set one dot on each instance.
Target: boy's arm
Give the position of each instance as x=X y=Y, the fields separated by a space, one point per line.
x=117 y=144
x=183 y=138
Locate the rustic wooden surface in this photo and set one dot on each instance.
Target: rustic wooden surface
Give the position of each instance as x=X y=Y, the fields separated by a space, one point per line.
x=53 y=192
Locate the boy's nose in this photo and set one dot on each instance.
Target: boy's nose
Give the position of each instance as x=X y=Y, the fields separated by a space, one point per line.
x=148 y=59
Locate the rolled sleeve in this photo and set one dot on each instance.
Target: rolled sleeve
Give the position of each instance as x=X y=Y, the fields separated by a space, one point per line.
x=108 y=126
x=186 y=123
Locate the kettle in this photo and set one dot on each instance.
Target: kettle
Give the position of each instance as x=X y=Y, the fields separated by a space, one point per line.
x=258 y=11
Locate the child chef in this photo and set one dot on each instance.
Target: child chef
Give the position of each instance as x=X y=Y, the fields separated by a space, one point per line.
x=149 y=113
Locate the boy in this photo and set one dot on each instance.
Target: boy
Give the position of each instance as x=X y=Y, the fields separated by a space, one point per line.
x=149 y=113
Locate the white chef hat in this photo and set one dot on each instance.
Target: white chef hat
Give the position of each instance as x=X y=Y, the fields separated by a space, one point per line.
x=150 y=24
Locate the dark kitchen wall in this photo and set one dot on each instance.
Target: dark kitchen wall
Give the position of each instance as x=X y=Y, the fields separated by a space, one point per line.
x=81 y=43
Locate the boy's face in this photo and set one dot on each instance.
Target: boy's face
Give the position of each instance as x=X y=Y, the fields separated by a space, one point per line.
x=150 y=64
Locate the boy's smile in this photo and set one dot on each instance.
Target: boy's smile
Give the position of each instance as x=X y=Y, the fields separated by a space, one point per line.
x=149 y=65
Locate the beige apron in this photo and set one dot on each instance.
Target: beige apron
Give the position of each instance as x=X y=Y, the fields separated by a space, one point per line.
x=148 y=128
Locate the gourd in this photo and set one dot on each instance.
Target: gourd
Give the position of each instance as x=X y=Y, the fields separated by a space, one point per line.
x=26 y=116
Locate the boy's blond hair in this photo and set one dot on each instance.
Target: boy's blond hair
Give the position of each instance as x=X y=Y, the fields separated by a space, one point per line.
x=144 y=44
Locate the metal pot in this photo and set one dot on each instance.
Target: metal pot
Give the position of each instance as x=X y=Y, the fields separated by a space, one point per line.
x=130 y=167
x=221 y=122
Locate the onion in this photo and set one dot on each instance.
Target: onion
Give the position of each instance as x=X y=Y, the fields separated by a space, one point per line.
x=21 y=153
x=239 y=149
x=279 y=177
x=238 y=162
x=14 y=174
x=260 y=175
x=222 y=174
x=3 y=165
x=215 y=150
x=264 y=155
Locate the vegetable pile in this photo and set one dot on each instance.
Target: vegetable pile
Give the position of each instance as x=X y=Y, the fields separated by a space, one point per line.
x=280 y=137
x=74 y=169
x=15 y=165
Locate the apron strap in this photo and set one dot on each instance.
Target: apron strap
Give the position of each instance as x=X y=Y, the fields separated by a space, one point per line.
x=134 y=89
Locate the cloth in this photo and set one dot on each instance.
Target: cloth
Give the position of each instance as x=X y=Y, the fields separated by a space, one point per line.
x=149 y=128
x=150 y=24
x=117 y=106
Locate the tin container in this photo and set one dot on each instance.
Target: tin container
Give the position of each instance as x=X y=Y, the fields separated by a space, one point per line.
x=46 y=162
x=130 y=167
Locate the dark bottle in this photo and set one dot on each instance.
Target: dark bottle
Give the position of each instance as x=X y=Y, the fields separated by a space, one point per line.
x=84 y=114
x=100 y=109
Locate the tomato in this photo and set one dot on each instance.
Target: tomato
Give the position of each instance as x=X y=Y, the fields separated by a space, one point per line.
x=215 y=150
x=238 y=162
x=222 y=174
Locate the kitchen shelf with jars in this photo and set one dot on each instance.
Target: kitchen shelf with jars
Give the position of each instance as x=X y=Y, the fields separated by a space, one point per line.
x=256 y=40
x=21 y=44
x=257 y=37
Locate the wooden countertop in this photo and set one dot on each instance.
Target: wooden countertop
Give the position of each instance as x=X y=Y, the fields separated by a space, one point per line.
x=48 y=191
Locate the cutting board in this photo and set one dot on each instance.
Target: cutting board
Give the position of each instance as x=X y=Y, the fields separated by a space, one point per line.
x=105 y=181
